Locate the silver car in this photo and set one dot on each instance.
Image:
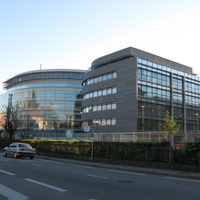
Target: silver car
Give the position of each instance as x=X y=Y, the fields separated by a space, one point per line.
x=19 y=149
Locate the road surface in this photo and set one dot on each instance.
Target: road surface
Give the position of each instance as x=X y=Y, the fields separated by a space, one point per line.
x=40 y=179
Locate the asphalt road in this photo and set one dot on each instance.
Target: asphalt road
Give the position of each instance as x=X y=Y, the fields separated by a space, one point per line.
x=41 y=179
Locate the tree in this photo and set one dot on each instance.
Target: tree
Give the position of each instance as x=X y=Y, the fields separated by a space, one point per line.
x=170 y=126
x=10 y=118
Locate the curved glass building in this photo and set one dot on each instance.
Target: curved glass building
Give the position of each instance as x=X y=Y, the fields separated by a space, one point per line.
x=49 y=99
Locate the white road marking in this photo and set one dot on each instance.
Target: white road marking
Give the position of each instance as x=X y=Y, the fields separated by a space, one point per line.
x=124 y=172
x=183 y=179
x=97 y=176
x=37 y=165
x=52 y=161
x=5 y=172
x=46 y=185
x=83 y=166
x=92 y=199
x=11 y=194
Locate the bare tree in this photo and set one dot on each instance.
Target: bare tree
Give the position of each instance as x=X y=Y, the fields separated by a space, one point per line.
x=10 y=118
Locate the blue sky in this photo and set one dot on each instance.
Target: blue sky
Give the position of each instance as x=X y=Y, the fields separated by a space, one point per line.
x=71 y=34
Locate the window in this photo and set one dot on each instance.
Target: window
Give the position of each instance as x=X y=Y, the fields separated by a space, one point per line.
x=105 y=77
x=95 y=79
x=95 y=108
x=114 y=74
x=108 y=121
x=91 y=94
x=104 y=107
x=90 y=109
x=95 y=93
x=109 y=106
x=109 y=76
x=100 y=78
x=109 y=91
x=99 y=108
x=99 y=92
x=114 y=105
x=99 y=121
x=104 y=92
x=113 y=121
x=114 y=90
x=103 y=122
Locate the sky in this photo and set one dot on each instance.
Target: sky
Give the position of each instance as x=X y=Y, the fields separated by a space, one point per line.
x=57 y=34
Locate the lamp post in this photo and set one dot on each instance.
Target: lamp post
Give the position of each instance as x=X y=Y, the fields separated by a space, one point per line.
x=142 y=118
x=55 y=128
x=180 y=119
x=197 y=116
x=142 y=122
x=27 y=130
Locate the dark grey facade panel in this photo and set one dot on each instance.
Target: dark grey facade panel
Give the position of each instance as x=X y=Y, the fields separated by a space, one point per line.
x=125 y=97
x=128 y=112
x=146 y=56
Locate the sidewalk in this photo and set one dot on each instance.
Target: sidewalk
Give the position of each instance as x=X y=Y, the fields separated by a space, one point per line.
x=165 y=172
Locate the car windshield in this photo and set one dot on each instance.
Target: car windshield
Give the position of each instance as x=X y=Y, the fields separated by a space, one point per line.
x=25 y=145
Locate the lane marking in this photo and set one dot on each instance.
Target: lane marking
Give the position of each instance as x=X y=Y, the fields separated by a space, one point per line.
x=83 y=166
x=11 y=194
x=37 y=165
x=8 y=173
x=92 y=199
x=182 y=179
x=124 y=172
x=95 y=176
x=46 y=185
x=52 y=161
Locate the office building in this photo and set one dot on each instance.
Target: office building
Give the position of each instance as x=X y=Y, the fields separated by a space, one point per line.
x=49 y=100
x=130 y=91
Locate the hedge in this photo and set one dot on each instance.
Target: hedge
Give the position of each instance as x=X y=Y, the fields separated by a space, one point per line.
x=116 y=151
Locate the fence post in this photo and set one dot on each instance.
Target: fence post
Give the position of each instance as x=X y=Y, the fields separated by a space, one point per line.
x=198 y=157
x=146 y=153
x=170 y=155
x=92 y=150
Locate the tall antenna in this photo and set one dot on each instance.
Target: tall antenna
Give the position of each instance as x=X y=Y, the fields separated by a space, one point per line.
x=40 y=66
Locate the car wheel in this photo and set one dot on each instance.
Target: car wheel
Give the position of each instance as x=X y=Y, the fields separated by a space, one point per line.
x=15 y=155
x=4 y=153
x=31 y=157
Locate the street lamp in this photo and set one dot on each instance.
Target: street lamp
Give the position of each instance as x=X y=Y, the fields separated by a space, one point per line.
x=27 y=131
x=197 y=116
x=55 y=127
x=142 y=118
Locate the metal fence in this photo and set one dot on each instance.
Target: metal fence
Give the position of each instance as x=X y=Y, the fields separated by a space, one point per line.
x=156 y=136
x=152 y=136
x=125 y=137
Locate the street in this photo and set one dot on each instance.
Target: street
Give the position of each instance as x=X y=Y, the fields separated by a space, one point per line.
x=41 y=179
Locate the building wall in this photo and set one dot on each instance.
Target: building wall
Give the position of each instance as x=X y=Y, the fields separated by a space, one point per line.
x=49 y=99
x=125 y=97
x=138 y=89
x=147 y=86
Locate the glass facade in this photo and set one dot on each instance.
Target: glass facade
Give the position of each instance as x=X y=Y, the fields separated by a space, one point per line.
x=49 y=100
x=162 y=89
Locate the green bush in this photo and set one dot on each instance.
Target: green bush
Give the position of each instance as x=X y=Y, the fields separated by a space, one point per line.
x=117 y=151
